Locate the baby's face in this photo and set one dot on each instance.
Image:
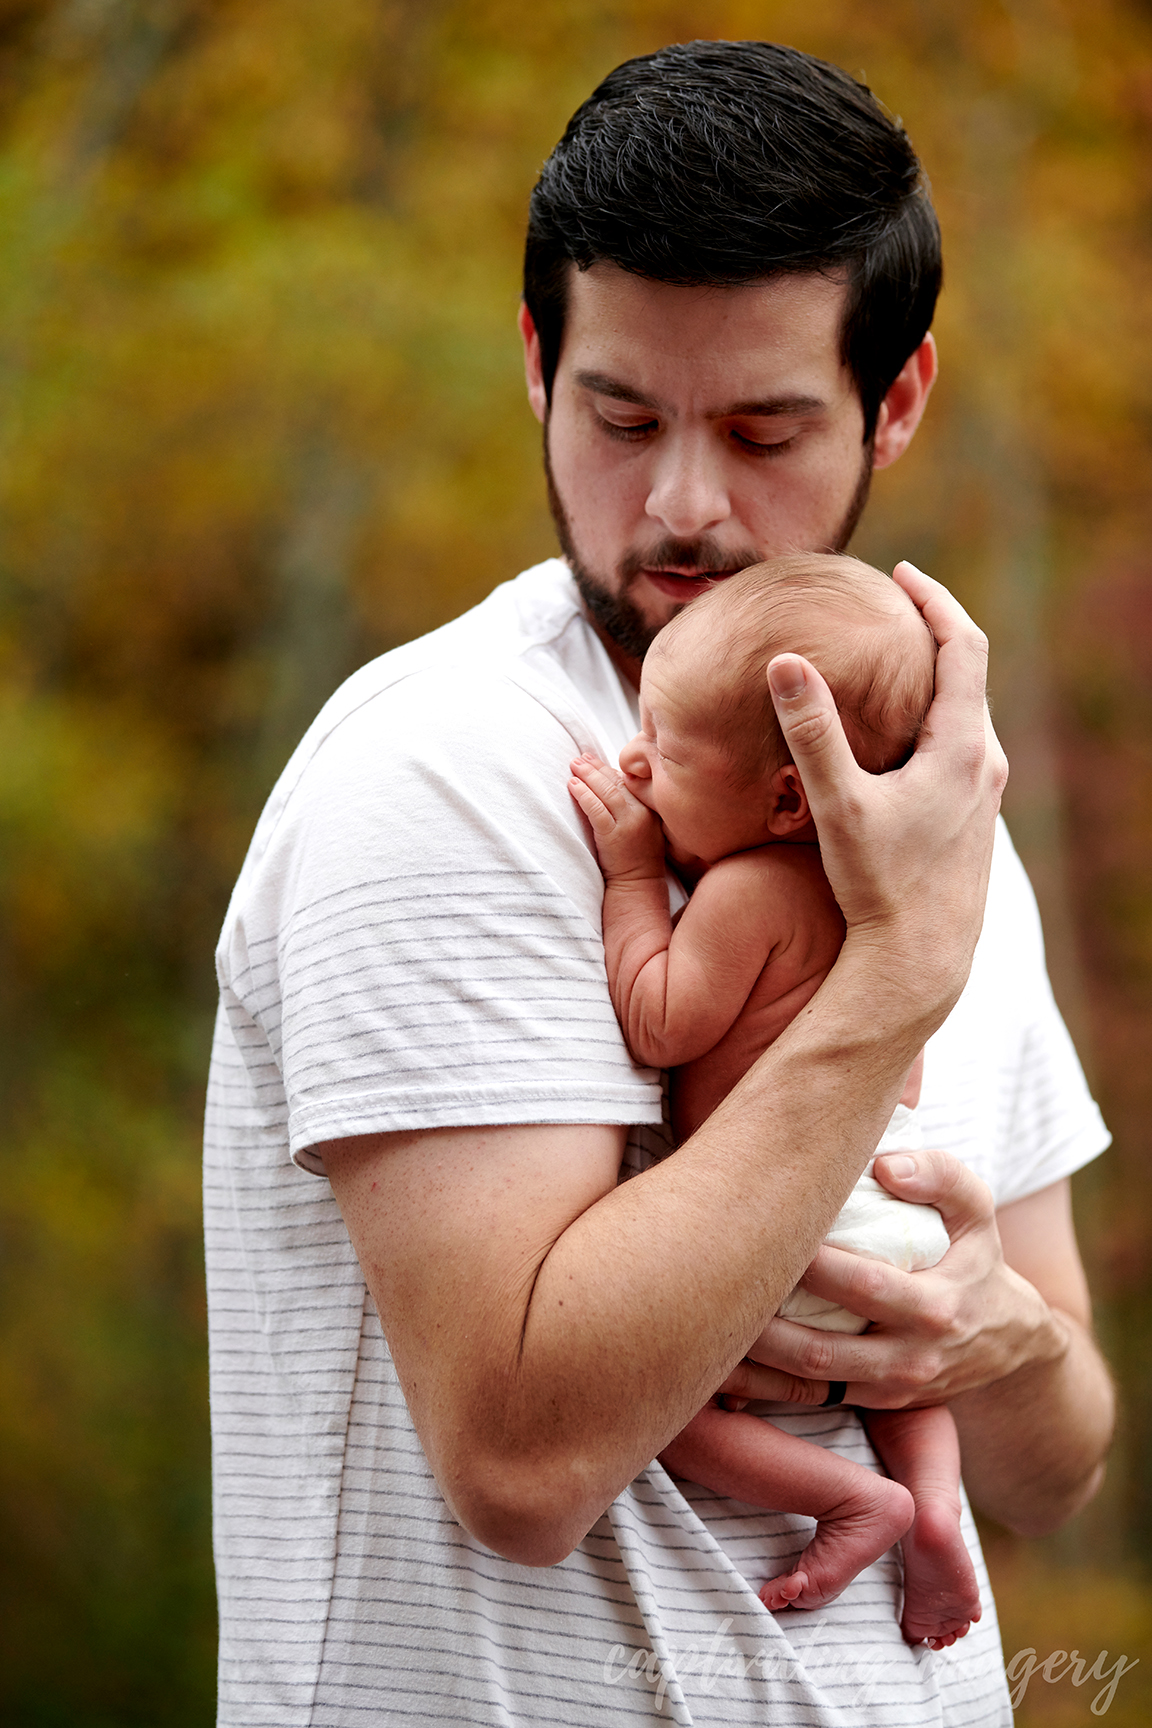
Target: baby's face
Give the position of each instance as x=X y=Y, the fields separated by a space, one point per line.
x=678 y=771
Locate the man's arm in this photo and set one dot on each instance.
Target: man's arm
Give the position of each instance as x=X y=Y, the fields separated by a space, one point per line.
x=1000 y=1329
x=552 y=1331
x=1058 y=1415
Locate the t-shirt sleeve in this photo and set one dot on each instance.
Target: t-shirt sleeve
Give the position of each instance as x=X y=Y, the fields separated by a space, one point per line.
x=1056 y=1127
x=420 y=942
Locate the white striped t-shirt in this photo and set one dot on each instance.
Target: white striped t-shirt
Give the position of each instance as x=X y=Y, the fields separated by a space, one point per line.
x=414 y=942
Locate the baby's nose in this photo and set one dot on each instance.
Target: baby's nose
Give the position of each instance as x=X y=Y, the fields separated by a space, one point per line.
x=634 y=757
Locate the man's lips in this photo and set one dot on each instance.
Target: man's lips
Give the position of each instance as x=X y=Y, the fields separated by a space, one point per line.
x=685 y=584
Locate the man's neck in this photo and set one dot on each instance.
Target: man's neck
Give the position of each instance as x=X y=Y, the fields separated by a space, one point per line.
x=626 y=664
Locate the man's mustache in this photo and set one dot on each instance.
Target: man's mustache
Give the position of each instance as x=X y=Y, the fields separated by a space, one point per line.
x=701 y=556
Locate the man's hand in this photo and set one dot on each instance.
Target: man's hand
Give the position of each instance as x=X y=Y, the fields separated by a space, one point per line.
x=629 y=838
x=894 y=845
x=965 y=1322
x=1001 y=1329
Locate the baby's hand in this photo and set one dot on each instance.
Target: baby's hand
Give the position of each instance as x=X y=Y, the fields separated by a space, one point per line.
x=629 y=839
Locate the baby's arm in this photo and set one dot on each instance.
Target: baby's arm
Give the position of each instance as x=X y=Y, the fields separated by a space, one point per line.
x=675 y=991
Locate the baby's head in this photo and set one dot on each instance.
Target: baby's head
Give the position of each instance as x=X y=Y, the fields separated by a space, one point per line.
x=710 y=758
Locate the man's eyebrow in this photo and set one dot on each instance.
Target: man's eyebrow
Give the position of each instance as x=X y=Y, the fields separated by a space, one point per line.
x=773 y=406
x=603 y=384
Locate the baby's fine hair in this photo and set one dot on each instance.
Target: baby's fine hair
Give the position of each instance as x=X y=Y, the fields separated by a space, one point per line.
x=856 y=626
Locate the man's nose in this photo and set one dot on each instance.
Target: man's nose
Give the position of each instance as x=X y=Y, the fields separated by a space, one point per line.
x=689 y=492
x=634 y=758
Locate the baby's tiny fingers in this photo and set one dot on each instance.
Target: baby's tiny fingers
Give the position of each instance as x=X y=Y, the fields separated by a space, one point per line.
x=598 y=814
x=593 y=773
x=584 y=795
x=609 y=784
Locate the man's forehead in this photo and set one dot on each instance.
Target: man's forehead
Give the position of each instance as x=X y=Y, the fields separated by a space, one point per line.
x=741 y=347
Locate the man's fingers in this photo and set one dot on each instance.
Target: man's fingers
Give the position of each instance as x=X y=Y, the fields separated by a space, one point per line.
x=811 y=727
x=811 y=1358
x=872 y=1289
x=948 y=622
x=958 y=711
x=937 y=1179
x=752 y=1382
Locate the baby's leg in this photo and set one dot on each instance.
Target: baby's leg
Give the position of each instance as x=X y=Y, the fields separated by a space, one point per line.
x=920 y=1448
x=859 y=1515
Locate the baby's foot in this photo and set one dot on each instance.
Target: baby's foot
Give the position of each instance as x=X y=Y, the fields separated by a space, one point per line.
x=782 y=1592
x=941 y=1596
x=846 y=1541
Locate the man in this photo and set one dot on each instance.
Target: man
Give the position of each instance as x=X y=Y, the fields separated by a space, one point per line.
x=730 y=275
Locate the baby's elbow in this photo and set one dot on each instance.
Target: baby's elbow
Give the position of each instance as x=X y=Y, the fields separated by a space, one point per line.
x=663 y=1045
x=651 y=1052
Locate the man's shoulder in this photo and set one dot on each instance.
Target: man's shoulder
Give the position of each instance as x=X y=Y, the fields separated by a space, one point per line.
x=533 y=612
x=1011 y=918
x=529 y=636
x=506 y=664
x=1008 y=980
x=519 y=678
x=470 y=727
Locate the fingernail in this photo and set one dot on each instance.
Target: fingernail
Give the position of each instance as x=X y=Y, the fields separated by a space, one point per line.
x=786 y=678
x=901 y=1166
x=914 y=567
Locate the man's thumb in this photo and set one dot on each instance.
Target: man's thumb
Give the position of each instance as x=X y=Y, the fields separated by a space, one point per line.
x=810 y=723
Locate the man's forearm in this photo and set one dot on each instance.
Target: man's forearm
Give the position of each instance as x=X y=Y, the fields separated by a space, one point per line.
x=644 y=1303
x=589 y=1324
x=1034 y=1444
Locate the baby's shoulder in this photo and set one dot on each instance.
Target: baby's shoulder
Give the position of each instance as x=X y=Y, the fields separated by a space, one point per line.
x=780 y=868
x=783 y=882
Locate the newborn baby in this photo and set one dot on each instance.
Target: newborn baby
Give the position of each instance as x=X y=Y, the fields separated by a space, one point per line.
x=707 y=784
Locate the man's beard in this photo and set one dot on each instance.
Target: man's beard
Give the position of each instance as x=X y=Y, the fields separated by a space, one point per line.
x=617 y=616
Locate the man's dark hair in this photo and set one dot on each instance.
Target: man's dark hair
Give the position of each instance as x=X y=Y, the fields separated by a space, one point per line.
x=716 y=163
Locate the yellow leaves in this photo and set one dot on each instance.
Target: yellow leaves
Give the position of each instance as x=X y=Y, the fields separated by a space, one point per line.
x=84 y=802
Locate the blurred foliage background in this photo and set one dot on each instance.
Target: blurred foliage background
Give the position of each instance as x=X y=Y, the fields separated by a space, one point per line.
x=261 y=417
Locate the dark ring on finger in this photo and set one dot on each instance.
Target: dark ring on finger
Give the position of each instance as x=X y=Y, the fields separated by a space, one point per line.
x=836 y=1391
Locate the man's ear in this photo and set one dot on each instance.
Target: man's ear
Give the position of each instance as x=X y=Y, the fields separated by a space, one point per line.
x=787 y=802
x=533 y=369
x=903 y=407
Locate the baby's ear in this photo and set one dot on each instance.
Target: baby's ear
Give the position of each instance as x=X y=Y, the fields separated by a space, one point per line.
x=787 y=802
